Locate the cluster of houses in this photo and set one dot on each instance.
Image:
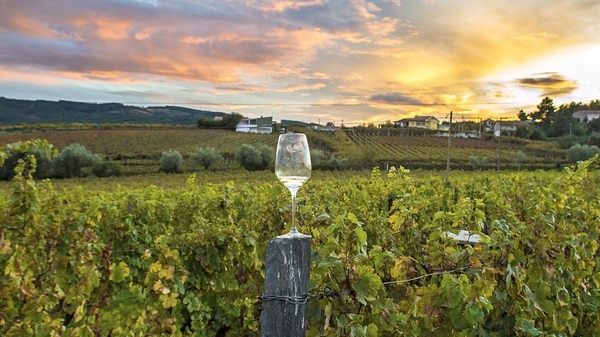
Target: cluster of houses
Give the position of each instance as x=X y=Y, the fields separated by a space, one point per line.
x=265 y=124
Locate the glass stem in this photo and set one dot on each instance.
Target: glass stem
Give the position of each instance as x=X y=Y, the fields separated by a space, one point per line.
x=293 y=230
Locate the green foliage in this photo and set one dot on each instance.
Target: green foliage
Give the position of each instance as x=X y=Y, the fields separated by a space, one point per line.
x=518 y=158
x=13 y=154
x=206 y=157
x=69 y=162
x=17 y=112
x=478 y=163
x=255 y=159
x=189 y=261
x=522 y=132
x=316 y=157
x=580 y=152
x=594 y=139
x=537 y=134
x=335 y=163
x=171 y=162
x=566 y=141
x=228 y=122
x=107 y=170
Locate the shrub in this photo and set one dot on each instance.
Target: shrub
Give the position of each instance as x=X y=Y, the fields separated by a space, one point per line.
x=43 y=160
x=337 y=164
x=594 y=139
x=206 y=157
x=316 y=157
x=518 y=157
x=253 y=159
x=171 y=162
x=267 y=154
x=107 y=170
x=566 y=141
x=478 y=163
x=580 y=152
x=537 y=134
x=72 y=159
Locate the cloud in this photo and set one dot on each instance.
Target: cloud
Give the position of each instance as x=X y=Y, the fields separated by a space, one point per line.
x=551 y=84
x=294 y=88
x=184 y=40
x=394 y=98
x=298 y=52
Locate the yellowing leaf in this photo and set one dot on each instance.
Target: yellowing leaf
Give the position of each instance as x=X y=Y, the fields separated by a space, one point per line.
x=119 y=272
x=168 y=300
x=155 y=267
x=167 y=273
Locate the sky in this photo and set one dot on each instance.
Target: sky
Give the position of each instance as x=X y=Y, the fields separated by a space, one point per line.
x=345 y=62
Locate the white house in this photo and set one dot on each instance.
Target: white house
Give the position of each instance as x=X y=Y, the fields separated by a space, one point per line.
x=255 y=125
x=586 y=115
x=508 y=126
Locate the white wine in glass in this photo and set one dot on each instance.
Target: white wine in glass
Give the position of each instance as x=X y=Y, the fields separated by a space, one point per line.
x=292 y=166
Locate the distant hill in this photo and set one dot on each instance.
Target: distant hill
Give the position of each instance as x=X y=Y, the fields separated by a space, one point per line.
x=17 y=111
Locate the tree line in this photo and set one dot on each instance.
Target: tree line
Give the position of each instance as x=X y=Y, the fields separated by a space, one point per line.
x=71 y=161
x=549 y=121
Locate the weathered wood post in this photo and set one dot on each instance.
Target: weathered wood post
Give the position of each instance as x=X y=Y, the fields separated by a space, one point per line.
x=285 y=294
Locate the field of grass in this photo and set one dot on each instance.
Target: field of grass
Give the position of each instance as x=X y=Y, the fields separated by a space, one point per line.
x=138 y=150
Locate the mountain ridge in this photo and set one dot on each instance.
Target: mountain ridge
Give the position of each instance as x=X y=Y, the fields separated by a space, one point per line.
x=23 y=111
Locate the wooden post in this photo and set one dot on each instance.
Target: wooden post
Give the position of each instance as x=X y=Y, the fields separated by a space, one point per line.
x=285 y=295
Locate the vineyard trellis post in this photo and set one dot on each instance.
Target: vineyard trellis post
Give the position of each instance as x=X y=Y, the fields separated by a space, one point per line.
x=285 y=294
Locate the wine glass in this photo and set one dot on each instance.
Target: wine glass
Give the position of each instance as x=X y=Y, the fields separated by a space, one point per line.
x=292 y=166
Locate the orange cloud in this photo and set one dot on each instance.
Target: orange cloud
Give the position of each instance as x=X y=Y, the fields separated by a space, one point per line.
x=106 y=27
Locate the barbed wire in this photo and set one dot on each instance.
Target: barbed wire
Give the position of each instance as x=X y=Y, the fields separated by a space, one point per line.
x=288 y=299
x=450 y=271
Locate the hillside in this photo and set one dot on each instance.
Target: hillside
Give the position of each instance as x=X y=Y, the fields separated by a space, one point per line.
x=144 y=146
x=16 y=111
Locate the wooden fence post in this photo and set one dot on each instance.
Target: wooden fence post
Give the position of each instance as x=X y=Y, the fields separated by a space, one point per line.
x=285 y=294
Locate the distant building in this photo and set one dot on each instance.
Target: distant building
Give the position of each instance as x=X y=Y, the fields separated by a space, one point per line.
x=255 y=125
x=422 y=122
x=586 y=115
x=508 y=127
x=319 y=127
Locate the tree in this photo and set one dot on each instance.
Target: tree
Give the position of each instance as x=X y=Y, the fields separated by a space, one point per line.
x=230 y=121
x=253 y=159
x=107 y=170
x=206 y=157
x=72 y=159
x=316 y=156
x=42 y=159
x=537 y=134
x=594 y=125
x=594 y=139
x=24 y=153
x=546 y=112
x=479 y=163
x=522 y=132
x=518 y=157
x=522 y=115
x=580 y=152
x=267 y=154
x=171 y=162
x=337 y=163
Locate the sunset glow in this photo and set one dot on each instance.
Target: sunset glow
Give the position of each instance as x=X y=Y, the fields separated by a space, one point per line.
x=355 y=61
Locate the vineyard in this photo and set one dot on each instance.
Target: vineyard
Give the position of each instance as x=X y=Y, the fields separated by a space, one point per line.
x=188 y=261
x=364 y=148
x=411 y=149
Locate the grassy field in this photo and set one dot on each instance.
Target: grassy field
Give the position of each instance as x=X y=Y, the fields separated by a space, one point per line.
x=138 y=150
